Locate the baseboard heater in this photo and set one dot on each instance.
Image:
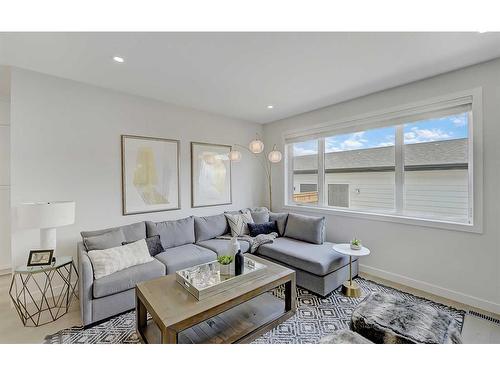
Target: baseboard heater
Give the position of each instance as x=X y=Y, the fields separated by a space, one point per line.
x=485 y=317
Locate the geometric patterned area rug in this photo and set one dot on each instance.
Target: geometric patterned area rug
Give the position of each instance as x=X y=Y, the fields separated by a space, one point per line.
x=315 y=317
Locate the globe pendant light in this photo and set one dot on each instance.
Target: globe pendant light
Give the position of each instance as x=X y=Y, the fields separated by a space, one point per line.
x=256 y=146
x=235 y=155
x=274 y=156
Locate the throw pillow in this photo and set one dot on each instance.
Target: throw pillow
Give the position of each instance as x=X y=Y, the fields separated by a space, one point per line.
x=260 y=217
x=281 y=219
x=106 y=240
x=265 y=228
x=239 y=223
x=305 y=228
x=108 y=261
x=154 y=245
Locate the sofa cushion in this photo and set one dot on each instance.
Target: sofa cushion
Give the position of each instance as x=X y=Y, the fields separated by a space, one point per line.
x=281 y=219
x=180 y=257
x=106 y=240
x=316 y=259
x=154 y=245
x=265 y=228
x=131 y=232
x=208 y=227
x=108 y=261
x=238 y=223
x=260 y=215
x=220 y=246
x=173 y=233
x=127 y=279
x=305 y=228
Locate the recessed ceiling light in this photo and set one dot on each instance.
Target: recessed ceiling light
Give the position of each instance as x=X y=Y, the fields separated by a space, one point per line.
x=270 y=106
x=118 y=59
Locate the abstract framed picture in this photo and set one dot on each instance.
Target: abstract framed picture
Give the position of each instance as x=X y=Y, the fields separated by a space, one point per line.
x=150 y=174
x=210 y=175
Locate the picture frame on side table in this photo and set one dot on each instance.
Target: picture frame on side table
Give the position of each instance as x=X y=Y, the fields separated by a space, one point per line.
x=150 y=174
x=210 y=175
x=40 y=257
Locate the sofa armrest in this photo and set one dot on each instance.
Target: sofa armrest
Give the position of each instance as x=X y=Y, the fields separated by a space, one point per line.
x=85 y=285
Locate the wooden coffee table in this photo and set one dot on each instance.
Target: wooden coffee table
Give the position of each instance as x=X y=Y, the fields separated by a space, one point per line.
x=238 y=315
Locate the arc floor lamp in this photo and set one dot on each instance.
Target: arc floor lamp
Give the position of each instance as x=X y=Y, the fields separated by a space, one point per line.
x=256 y=148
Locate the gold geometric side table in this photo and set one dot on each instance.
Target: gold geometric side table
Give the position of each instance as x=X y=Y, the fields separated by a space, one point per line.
x=351 y=288
x=35 y=291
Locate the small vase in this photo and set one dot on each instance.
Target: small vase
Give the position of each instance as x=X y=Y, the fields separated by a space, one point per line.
x=355 y=247
x=225 y=269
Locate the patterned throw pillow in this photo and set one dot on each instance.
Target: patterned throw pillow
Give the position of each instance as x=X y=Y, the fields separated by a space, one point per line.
x=239 y=223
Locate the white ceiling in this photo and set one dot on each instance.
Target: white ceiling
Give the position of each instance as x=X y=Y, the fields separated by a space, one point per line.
x=239 y=74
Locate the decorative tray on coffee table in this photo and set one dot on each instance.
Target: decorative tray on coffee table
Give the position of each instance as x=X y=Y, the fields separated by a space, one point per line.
x=206 y=280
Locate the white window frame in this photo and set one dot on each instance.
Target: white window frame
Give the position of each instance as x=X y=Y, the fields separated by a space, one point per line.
x=388 y=116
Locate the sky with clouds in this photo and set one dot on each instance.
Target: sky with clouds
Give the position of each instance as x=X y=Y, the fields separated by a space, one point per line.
x=450 y=127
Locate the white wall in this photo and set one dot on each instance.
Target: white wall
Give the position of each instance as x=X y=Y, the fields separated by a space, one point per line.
x=65 y=145
x=458 y=265
x=5 y=258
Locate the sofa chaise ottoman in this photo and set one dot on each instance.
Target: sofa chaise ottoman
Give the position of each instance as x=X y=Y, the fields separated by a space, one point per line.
x=302 y=247
x=387 y=319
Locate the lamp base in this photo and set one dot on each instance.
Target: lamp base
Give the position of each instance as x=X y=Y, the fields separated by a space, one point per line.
x=48 y=238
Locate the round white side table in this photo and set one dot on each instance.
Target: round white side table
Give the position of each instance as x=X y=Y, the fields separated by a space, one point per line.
x=351 y=288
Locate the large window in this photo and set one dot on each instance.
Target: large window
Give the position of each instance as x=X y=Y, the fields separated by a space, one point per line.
x=417 y=164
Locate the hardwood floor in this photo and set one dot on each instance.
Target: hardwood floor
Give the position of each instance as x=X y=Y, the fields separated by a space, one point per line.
x=476 y=330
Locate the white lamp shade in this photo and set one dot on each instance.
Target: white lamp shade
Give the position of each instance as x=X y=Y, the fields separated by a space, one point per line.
x=274 y=156
x=45 y=214
x=256 y=146
x=234 y=155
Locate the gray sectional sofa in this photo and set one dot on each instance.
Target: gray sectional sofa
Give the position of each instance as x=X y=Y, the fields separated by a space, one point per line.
x=193 y=240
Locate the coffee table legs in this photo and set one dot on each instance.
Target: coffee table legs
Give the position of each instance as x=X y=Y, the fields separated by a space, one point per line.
x=290 y=296
x=351 y=288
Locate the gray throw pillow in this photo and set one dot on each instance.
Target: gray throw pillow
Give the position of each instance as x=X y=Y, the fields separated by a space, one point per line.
x=260 y=217
x=154 y=245
x=176 y=232
x=106 y=240
x=305 y=228
x=208 y=227
x=132 y=232
x=281 y=219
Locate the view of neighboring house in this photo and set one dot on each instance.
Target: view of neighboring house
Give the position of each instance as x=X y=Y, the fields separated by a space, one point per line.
x=436 y=178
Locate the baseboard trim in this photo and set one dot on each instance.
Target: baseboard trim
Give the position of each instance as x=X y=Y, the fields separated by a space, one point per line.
x=5 y=270
x=434 y=289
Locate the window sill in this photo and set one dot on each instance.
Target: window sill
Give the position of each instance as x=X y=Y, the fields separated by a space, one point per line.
x=424 y=222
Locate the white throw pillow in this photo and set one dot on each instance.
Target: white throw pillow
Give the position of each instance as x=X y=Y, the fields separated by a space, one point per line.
x=238 y=223
x=108 y=261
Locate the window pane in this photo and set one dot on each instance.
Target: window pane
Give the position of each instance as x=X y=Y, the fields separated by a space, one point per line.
x=437 y=168
x=305 y=172
x=359 y=170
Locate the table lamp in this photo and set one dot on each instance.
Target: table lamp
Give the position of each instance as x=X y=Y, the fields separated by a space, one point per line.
x=46 y=216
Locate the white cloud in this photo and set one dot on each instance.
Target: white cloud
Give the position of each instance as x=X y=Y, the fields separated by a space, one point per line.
x=355 y=141
x=385 y=144
x=458 y=120
x=300 y=150
x=417 y=135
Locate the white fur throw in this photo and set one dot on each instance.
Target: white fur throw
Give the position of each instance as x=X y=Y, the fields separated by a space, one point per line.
x=108 y=261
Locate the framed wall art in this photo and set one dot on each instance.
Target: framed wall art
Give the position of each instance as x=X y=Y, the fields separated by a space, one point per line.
x=210 y=175
x=150 y=174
